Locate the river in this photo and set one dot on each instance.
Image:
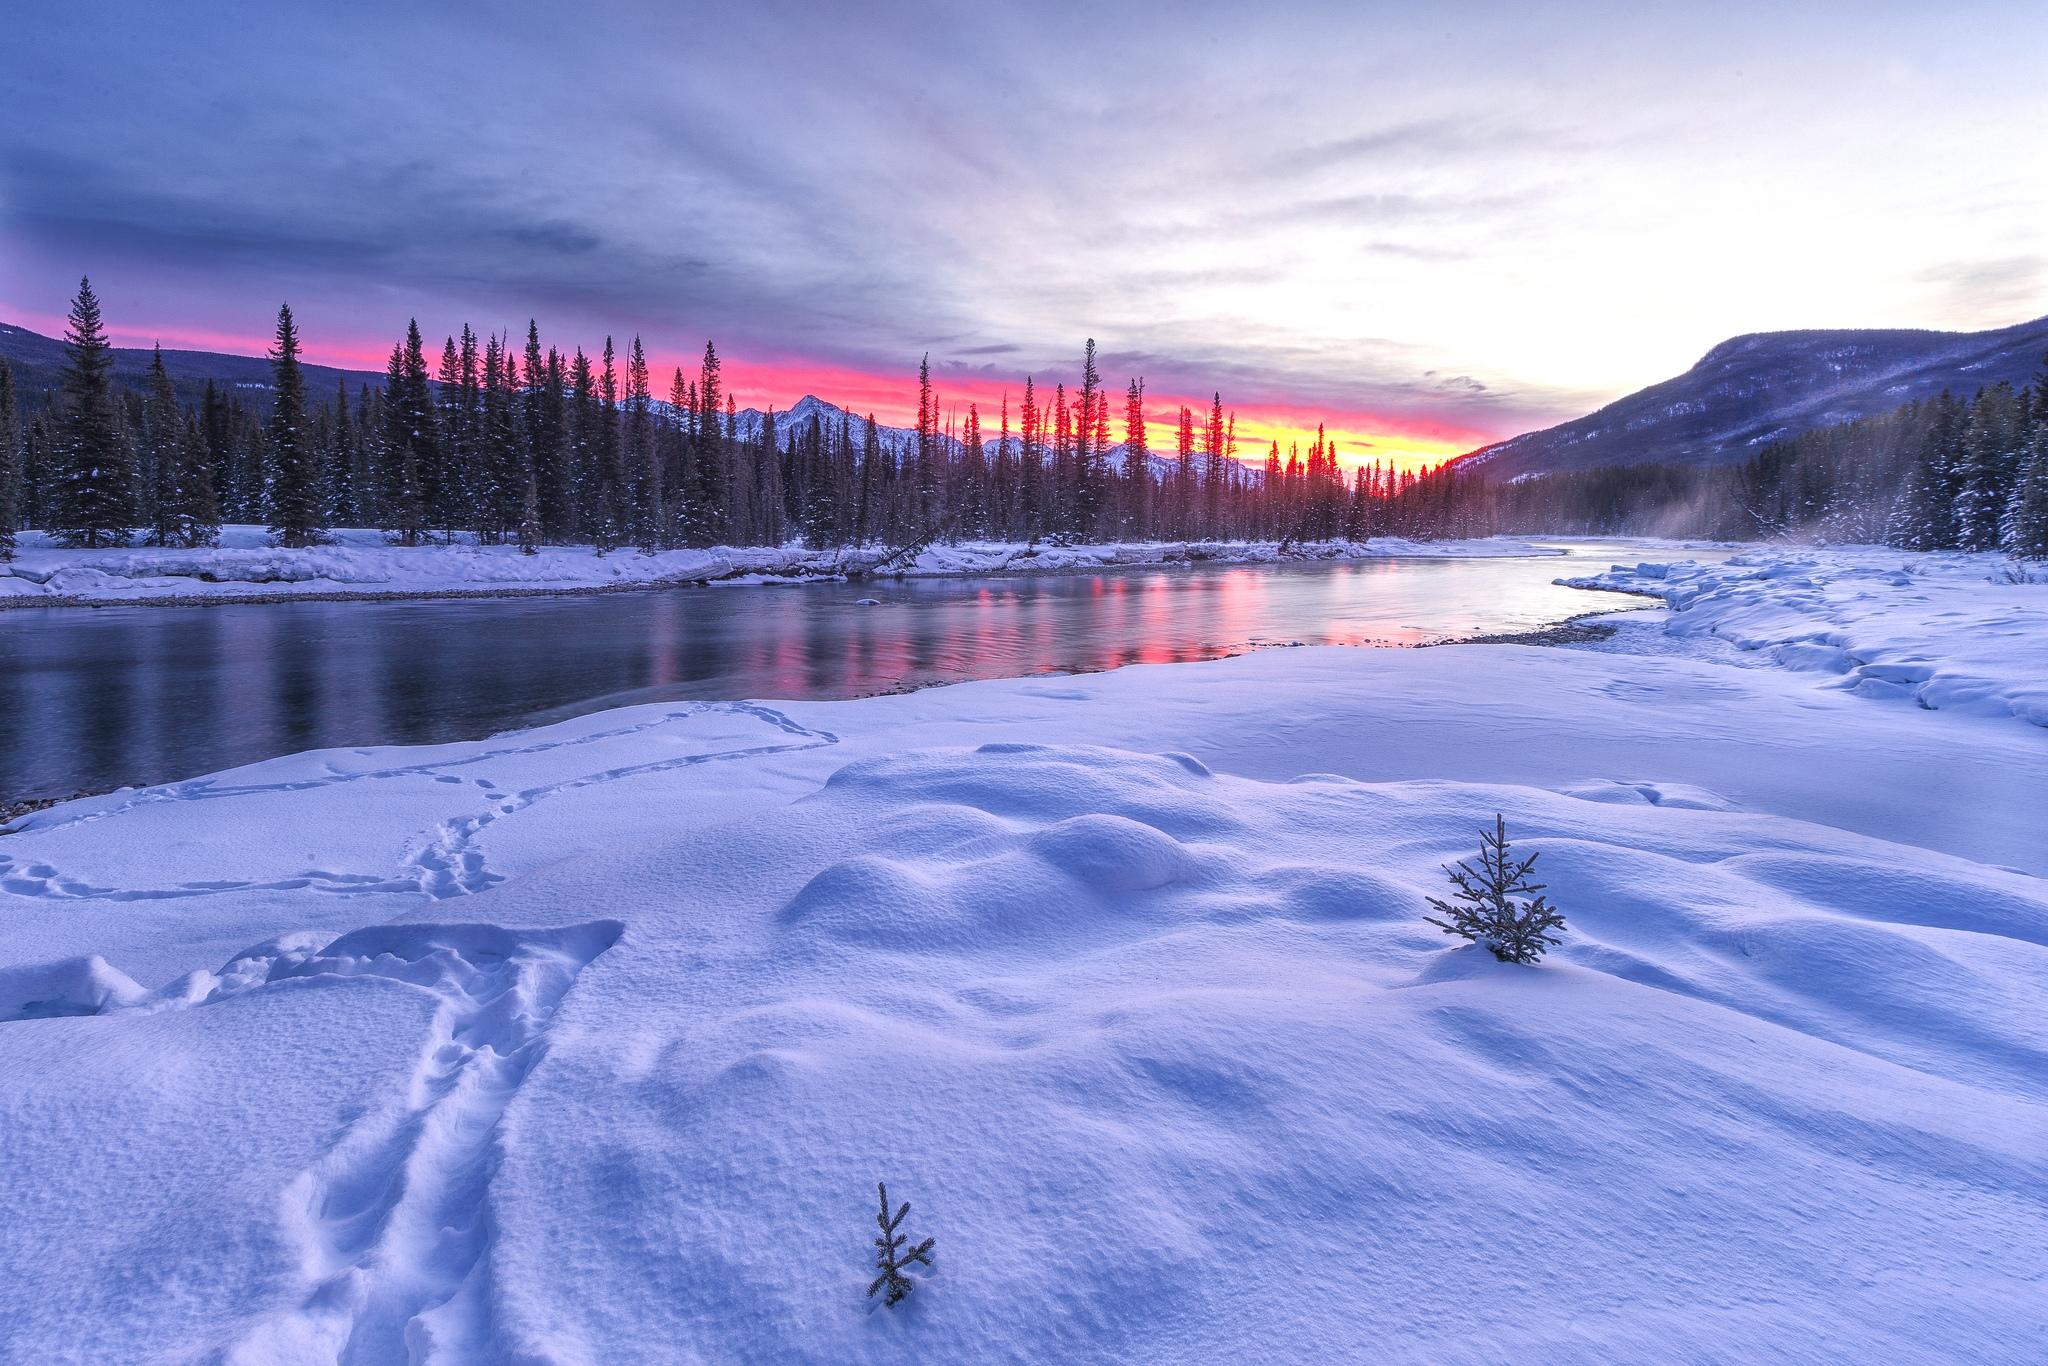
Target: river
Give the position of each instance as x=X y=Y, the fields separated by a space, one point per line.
x=95 y=698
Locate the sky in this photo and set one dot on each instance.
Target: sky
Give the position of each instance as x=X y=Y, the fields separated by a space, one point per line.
x=1429 y=226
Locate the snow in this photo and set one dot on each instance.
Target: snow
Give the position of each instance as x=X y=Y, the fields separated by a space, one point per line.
x=589 y=1043
x=1948 y=631
x=362 y=563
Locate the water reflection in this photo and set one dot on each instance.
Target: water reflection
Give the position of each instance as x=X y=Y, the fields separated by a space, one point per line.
x=92 y=699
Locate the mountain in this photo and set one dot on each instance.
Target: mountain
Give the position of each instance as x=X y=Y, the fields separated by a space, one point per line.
x=828 y=414
x=1751 y=390
x=38 y=363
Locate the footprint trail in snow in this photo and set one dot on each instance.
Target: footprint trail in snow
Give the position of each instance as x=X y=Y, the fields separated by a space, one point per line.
x=392 y=1224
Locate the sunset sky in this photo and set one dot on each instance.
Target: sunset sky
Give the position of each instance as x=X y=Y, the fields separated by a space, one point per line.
x=1429 y=230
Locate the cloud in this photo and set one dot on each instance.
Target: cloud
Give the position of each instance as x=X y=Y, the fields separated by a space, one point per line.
x=1489 y=216
x=1989 y=292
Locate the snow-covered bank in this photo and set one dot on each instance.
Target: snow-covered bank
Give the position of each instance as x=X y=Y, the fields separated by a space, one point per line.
x=1955 y=632
x=362 y=563
x=589 y=1043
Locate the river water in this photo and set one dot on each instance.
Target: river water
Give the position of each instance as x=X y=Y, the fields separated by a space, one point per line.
x=95 y=698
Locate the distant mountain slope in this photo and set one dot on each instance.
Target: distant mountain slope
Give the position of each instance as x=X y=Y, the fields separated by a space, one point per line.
x=1753 y=389
x=810 y=405
x=38 y=363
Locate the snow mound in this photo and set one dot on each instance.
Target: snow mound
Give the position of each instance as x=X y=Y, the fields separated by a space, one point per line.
x=590 y=1043
x=76 y=986
x=1752 y=1079
x=1951 y=631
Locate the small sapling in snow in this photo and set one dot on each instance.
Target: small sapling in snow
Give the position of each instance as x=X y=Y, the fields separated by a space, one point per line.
x=889 y=1257
x=1485 y=909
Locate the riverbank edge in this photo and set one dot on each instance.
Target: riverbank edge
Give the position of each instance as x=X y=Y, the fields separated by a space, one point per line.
x=1581 y=628
x=762 y=574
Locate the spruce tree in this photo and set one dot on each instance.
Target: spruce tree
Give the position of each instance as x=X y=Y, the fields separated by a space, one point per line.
x=2027 y=512
x=343 y=463
x=545 y=405
x=10 y=462
x=1215 y=451
x=1986 y=469
x=409 y=440
x=707 y=497
x=216 y=421
x=890 y=1258
x=92 y=498
x=193 y=519
x=1497 y=904
x=675 y=443
x=298 y=516
x=445 y=471
x=1137 y=465
x=642 y=461
x=866 y=518
x=607 y=524
x=580 y=437
x=163 y=452
x=1087 y=458
x=926 y=471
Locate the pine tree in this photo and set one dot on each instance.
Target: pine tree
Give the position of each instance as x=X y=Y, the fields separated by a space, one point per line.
x=410 y=447
x=1989 y=459
x=343 y=463
x=163 y=452
x=1213 y=477
x=554 y=483
x=707 y=495
x=926 y=469
x=866 y=517
x=216 y=415
x=580 y=438
x=1087 y=478
x=642 y=461
x=890 y=1259
x=92 y=501
x=195 y=520
x=298 y=516
x=2026 y=518
x=1184 y=485
x=10 y=462
x=971 y=506
x=1137 y=465
x=1031 y=491
x=501 y=476
x=1485 y=909
x=607 y=530
x=675 y=453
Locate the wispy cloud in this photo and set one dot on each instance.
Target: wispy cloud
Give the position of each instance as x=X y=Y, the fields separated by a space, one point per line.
x=1481 y=215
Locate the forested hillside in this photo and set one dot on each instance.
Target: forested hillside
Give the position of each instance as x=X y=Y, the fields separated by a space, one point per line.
x=1942 y=473
x=1768 y=386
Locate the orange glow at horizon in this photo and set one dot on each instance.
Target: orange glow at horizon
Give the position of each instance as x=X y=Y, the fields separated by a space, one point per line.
x=1359 y=436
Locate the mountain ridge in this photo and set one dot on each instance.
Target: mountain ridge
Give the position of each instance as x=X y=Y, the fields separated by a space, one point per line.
x=1757 y=387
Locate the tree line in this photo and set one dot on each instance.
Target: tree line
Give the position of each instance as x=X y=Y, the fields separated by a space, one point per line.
x=1944 y=473
x=528 y=445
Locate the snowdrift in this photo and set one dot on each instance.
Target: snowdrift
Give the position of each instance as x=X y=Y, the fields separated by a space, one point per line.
x=1949 y=631
x=589 y=1043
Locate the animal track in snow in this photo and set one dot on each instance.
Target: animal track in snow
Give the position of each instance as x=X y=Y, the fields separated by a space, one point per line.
x=442 y=862
x=392 y=1223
